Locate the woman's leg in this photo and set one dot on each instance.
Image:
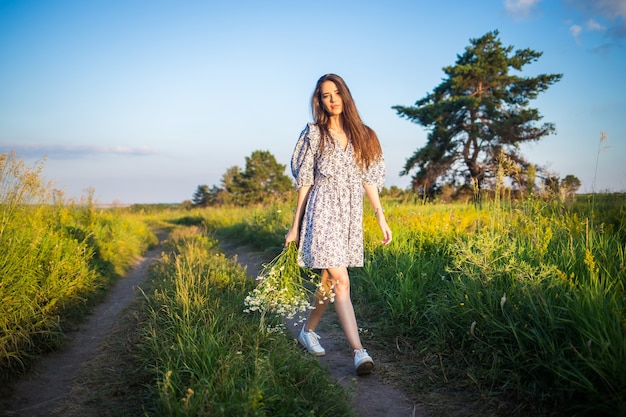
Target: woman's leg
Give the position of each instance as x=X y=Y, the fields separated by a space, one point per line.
x=343 y=306
x=321 y=303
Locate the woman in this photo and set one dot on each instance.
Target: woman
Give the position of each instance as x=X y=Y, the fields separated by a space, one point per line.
x=335 y=159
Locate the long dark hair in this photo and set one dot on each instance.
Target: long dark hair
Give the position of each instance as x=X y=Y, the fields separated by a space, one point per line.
x=364 y=140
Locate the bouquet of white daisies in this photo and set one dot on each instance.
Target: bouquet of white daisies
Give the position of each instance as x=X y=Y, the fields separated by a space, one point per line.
x=286 y=289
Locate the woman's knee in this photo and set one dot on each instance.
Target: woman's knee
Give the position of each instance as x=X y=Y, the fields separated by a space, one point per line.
x=340 y=280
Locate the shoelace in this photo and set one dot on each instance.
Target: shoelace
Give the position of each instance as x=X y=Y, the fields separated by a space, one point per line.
x=312 y=333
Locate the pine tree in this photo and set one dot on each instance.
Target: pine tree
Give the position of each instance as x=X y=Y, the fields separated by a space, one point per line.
x=201 y=196
x=478 y=114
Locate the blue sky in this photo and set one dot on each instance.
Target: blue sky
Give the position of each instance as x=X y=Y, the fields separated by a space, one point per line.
x=142 y=101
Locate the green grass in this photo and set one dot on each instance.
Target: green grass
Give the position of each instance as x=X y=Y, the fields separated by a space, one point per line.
x=209 y=358
x=531 y=304
x=524 y=302
x=520 y=305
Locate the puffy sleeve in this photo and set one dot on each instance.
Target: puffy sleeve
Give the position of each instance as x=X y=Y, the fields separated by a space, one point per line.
x=375 y=174
x=303 y=158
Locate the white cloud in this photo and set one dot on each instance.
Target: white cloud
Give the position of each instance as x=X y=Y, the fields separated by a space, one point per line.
x=73 y=151
x=593 y=25
x=608 y=16
x=520 y=8
x=575 y=30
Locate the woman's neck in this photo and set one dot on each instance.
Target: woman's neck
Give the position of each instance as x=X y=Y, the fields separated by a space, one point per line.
x=335 y=123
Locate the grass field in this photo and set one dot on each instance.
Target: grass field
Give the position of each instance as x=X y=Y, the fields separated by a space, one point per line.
x=519 y=304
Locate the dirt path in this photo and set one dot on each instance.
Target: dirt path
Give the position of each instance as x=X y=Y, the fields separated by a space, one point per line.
x=42 y=393
x=47 y=390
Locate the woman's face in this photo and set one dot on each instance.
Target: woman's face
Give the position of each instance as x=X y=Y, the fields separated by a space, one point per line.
x=331 y=100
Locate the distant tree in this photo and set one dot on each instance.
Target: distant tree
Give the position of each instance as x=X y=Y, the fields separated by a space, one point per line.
x=477 y=112
x=216 y=196
x=263 y=179
x=394 y=191
x=230 y=179
x=230 y=187
x=552 y=184
x=201 y=196
x=569 y=185
x=187 y=204
x=529 y=179
x=564 y=189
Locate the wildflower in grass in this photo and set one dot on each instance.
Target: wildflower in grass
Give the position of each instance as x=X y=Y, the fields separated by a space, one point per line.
x=563 y=276
x=284 y=288
x=502 y=301
x=590 y=262
x=187 y=396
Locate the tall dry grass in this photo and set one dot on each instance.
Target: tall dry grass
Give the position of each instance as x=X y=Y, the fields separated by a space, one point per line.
x=57 y=258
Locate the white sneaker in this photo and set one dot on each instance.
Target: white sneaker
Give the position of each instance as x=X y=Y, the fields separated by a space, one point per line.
x=363 y=362
x=310 y=340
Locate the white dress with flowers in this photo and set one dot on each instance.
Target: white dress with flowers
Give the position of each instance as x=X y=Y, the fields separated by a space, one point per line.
x=331 y=234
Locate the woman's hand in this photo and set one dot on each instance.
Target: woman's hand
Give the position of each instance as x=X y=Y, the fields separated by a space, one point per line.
x=382 y=223
x=372 y=194
x=291 y=236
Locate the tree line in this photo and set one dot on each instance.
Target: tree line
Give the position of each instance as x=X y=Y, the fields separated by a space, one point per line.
x=476 y=119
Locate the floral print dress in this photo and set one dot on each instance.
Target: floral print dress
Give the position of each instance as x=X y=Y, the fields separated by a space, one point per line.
x=331 y=233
